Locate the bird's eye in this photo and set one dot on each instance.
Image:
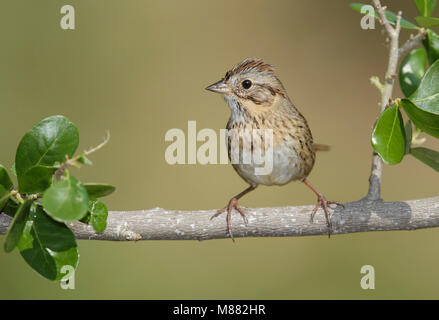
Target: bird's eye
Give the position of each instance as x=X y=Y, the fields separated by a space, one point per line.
x=246 y=84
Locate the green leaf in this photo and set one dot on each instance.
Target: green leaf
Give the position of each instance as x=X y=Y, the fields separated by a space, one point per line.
x=424 y=120
x=86 y=219
x=4 y=197
x=66 y=200
x=428 y=90
x=35 y=254
x=427 y=156
x=17 y=226
x=391 y=16
x=5 y=180
x=37 y=179
x=412 y=69
x=423 y=106
x=408 y=136
x=425 y=7
x=84 y=160
x=98 y=215
x=65 y=258
x=12 y=169
x=388 y=137
x=431 y=44
x=55 y=235
x=98 y=190
x=10 y=208
x=44 y=145
x=427 y=22
x=47 y=245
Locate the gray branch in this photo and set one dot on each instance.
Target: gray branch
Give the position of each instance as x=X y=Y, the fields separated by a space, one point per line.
x=386 y=93
x=413 y=42
x=160 y=224
x=395 y=54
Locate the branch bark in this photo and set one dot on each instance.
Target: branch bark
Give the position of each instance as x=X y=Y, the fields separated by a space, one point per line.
x=161 y=224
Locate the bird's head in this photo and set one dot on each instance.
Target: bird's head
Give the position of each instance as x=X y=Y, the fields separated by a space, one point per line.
x=250 y=84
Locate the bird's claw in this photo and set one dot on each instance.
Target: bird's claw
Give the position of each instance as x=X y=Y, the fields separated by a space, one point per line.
x=233 y=203
x=324 y=204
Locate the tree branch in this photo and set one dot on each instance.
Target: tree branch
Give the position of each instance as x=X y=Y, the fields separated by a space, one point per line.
x=383 y=20
x=395 y=54
x=374 y=192
x=160 y=224
x=412 y=43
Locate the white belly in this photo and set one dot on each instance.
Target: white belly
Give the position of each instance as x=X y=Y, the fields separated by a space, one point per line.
x=285 y=167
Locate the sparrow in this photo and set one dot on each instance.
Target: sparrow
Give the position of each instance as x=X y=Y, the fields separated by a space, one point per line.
x=258 y=101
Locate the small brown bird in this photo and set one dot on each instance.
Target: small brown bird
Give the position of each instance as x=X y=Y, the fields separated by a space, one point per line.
x=258 y=100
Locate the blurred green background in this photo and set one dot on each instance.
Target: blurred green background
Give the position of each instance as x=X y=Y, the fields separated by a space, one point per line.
x=139 y=68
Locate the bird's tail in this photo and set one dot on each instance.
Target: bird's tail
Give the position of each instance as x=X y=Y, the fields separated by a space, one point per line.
x=320 y=147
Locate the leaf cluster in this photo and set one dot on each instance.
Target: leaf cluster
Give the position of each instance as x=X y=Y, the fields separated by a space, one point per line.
x=48 y=196
x=419 y=81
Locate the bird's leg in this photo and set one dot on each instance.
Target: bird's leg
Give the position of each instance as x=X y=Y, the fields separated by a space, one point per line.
x=233 y=203
x=321 y=202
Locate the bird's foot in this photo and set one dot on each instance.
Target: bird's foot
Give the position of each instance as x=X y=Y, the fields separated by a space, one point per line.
x=324 y=204
x=233 y=203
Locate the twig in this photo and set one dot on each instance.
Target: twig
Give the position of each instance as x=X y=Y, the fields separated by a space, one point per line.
x=74 y=161
x=103 y=143
x=375 y=81
x=374 y=192
x=383 y=19
x=412 y=43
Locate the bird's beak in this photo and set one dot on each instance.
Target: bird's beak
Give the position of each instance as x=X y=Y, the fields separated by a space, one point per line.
x=219 y=87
